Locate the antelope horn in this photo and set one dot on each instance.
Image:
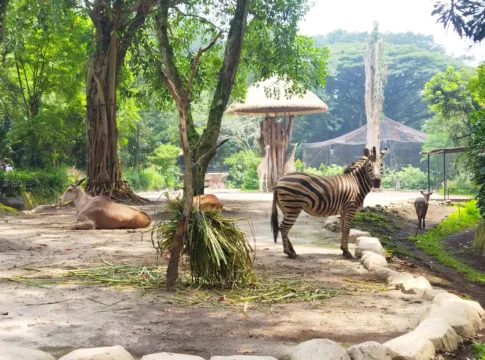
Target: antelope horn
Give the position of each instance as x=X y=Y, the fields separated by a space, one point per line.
x=80 y=181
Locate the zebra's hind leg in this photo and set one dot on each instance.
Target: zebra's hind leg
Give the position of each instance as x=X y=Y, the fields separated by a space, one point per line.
x=288 y=222
x=346 y=221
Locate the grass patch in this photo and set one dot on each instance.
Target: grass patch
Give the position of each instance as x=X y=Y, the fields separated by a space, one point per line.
x=7 y=210
x=431 y=242
x=479 y=350
x=270 y=290
x=383 y=225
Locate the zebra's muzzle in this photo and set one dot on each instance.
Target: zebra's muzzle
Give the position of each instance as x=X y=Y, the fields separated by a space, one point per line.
x=377 y=183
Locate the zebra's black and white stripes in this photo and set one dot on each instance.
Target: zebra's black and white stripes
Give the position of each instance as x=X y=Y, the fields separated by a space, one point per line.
x=324 y=196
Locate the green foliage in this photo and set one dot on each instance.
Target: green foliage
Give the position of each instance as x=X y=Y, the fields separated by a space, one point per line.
x=479 y=350
x=45 y=186
x=323 y=170
x=432 y=240
x=449 y=96
x=165 y=156
x=41 y=82
x=218 y=252
x=412 y=60
x=243 y=170
x=7 y=210
x=411 y=178
x=152 y=178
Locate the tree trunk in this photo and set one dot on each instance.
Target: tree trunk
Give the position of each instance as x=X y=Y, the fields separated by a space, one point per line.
x=479 y=241
x=3 y=12
x=103 y=168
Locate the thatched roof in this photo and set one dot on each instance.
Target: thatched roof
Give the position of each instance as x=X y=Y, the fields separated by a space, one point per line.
x=277 y=103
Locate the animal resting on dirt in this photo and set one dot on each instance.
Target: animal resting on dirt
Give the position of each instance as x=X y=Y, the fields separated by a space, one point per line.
x=100 y=213
x=421 y=207
x=207 y=202
x=263 y=171
x=326 y=195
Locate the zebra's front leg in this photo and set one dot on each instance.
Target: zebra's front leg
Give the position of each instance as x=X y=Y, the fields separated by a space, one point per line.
x=346 y=222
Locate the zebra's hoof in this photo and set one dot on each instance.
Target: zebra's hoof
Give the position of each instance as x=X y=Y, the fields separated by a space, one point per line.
x=347 y=254
x=292 y=255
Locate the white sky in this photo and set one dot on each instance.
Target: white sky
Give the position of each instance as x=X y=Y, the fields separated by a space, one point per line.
x=392 y=16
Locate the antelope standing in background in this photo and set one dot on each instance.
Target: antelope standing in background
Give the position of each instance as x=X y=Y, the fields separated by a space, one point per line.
x=326 y=195
x=421 y=206
x=263 y=171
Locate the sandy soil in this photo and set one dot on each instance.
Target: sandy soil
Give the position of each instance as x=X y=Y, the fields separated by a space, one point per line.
x=60 y=318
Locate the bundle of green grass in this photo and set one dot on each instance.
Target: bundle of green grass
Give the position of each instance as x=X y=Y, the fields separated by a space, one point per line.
x=218 y=252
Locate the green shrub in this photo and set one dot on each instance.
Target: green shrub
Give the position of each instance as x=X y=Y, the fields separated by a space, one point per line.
x=411 y=178
x=323 y=170
x=243 y=170
x=479 y=350
x=45 y=186
x=152 y=178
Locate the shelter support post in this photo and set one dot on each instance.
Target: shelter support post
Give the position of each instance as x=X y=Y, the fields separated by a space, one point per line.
x=444 y=174
x=429 y=181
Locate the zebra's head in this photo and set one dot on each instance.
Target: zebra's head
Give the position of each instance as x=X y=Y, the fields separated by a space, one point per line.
x=374 y=165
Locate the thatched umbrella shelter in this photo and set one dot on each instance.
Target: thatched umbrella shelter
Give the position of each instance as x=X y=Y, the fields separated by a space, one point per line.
x=269 y=99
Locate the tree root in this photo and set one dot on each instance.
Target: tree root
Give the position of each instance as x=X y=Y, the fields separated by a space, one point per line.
x=118 y=192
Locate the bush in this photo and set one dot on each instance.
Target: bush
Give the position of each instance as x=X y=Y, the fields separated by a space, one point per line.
x=44 y=186
x=323 y=170
x=411 y=178
x=243 y=170
x=152 y=179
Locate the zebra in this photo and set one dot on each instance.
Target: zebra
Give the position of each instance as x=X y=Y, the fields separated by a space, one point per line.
x=324 y=196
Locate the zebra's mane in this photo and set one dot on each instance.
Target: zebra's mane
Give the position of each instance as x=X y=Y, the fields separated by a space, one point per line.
x=357 y=164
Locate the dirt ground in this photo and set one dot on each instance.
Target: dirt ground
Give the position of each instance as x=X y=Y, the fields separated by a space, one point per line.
x=62 y=317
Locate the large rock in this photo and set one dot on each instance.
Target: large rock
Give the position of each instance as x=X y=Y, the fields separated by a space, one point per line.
x=369 y=351
x=397 y=280
x=18 y=353
x=16 y=202
x=319 y=349
x=411 y=346
x=170 y=356
x=385 y=273
x=101 y=353
x=479 y=240
x=242 y=357
x=430 y=294
x=461 y=315
x=355 y=234
x=333 y=224
x=373 y=261
x=442 y=335
x=371 y=244
x=416 y=286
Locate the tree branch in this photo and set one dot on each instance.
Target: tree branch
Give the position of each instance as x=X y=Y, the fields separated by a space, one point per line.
x=197 y=17
x=196 y=61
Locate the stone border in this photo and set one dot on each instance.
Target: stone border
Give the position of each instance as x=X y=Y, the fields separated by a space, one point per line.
x=442 y=327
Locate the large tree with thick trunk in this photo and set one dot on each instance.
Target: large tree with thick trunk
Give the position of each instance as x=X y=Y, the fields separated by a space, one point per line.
x=115 y=23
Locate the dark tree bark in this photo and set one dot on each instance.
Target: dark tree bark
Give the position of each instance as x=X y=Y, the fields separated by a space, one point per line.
x=3 y=13
x=114 y=31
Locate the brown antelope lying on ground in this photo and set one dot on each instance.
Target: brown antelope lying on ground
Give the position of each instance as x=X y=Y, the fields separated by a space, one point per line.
x=207 y=202
x=421 y=206
x=100 y=213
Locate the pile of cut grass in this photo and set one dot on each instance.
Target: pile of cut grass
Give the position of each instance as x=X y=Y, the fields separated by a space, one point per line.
x=218 y=252
x=479 y=350
x=271 y=290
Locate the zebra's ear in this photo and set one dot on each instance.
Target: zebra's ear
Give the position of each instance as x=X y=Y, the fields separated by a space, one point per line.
x=383 y=152
x=374 y=151
x=366 y=152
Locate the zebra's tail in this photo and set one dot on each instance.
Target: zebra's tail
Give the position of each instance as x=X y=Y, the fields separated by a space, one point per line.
x=274 y=218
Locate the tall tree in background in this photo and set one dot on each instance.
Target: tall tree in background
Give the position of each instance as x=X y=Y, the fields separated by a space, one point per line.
x=3 y=12
x=115 y=23
x=375 y=79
